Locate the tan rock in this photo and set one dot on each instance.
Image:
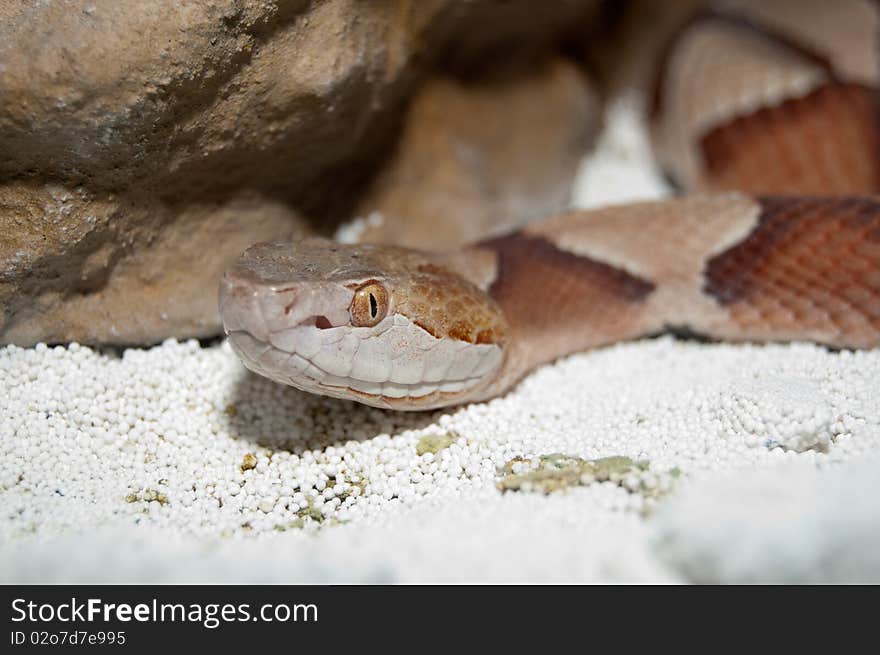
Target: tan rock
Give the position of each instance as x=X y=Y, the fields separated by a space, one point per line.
x=107 y=269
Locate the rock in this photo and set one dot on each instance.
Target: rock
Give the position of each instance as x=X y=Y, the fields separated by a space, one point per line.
x=143 y=145
x=479 y=159
x=108 y=268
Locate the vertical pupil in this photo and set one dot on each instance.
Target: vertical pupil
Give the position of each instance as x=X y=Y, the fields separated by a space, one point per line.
x=373 y=306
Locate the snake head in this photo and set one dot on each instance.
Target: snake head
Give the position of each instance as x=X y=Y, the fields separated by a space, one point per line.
x=385 y=326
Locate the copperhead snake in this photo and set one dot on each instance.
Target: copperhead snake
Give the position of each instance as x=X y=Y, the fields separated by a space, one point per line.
x=773 y=126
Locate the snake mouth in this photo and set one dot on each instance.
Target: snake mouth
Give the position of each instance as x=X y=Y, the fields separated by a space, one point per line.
x=296 y=370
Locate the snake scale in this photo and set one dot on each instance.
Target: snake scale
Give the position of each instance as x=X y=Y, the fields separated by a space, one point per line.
x=768 y=114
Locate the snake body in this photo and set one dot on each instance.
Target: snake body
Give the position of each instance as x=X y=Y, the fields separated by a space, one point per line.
x=408 y=329
x=466 y=326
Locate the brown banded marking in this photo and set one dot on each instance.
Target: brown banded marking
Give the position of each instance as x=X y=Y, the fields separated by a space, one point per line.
x=723 y=109
x=809 y=270
x=667 y=242
x=556 y=302
x=672 y=243
x=827 y=140
x=716 y=72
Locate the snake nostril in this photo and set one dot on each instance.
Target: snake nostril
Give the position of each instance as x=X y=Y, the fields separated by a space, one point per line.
x=322 y=323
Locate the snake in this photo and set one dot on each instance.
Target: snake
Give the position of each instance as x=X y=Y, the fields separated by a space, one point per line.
x=771 y=128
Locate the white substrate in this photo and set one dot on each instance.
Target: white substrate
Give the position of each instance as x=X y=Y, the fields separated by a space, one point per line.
x=173 y=463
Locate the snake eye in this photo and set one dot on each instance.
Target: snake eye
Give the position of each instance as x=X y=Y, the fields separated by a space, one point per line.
x=369 y=305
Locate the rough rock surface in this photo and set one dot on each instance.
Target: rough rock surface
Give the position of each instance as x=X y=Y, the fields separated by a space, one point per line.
x=478 y=159
x=144 y=144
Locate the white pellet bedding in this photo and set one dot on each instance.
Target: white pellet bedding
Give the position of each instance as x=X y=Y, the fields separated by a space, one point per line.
x=744 y=463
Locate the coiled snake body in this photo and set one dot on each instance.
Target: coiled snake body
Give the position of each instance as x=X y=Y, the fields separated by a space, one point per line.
x=406 y=329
